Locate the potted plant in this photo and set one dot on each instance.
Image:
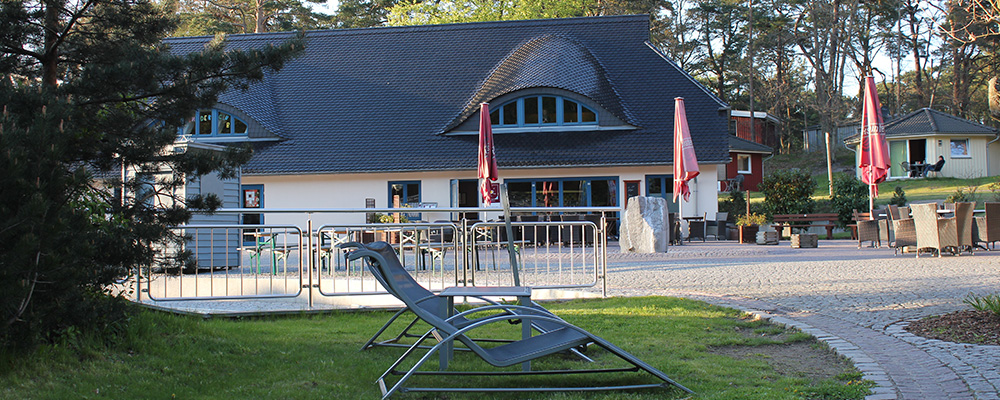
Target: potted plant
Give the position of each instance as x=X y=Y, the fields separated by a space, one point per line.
x=749 y=224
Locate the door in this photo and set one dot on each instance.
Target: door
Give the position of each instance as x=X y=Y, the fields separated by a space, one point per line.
x=897 y=155
x=252 y=196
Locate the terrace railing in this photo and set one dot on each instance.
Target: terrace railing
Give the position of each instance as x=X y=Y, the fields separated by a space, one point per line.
x=569 y=251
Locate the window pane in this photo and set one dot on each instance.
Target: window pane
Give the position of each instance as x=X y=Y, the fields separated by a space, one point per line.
x=549 y=110
x=412 y=193
x=510 y=114
x=959 y=148
x=546 y=194
x=743 y=162
x=398 y=189
x=495 y=117
x=225 y=123
x=531 y=110
x=519 y=194
x=588 y=115
x=570 y=112
x=654 y=187
x=603 y=193
x=239 y=127
x=573 y=194
x=205 y=122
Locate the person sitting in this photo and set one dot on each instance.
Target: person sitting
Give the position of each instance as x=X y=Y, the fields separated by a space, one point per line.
x=936 y=167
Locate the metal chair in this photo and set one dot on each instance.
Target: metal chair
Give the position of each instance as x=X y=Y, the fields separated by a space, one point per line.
x=450 y=329
x=718 y=227
x=696 y=229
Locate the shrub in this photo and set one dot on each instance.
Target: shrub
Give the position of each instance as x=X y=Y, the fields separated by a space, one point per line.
x=849 y=194
x=898 y=197
x=751 y=219
x=788 y=192
x=960 y=195
x=990 y=302
x=735 y=205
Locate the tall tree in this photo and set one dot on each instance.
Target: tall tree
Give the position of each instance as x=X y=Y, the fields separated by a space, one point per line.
x=363 y=13
x=721 y=26
x=208 y=17
x=89 y=89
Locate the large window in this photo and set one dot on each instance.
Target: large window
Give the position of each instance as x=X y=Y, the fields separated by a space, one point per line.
x=565 y=192
x=662 y=186
x=408 y=192
x=960 y=148
x=208 y=123
x=542 y=111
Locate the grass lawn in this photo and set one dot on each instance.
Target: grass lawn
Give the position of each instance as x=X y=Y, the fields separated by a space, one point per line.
x=717 y=352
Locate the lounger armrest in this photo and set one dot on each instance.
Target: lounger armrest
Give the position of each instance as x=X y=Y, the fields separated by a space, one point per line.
x=486 y=291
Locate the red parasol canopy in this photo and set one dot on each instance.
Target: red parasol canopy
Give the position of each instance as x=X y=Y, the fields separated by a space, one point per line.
x=487 y=157
x=685 y=162
x=874 y=162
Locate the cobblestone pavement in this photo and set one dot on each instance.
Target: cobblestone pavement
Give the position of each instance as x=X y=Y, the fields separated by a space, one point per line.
x=857 y=300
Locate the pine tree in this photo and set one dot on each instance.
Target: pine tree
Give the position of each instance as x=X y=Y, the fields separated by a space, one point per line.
x=89 y=88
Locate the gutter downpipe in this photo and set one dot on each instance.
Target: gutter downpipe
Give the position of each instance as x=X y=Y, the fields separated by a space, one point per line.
x=988 y=153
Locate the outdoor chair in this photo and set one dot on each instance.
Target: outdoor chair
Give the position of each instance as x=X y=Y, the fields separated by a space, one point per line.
x=963 y=223
x=867 y=230
x=989 y=230
x=696 y=228
x=718 y=227
x=449 y=329
x=428 y=299
x=936 y=234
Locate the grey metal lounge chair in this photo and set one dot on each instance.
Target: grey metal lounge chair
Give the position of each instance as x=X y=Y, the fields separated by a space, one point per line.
x=523 y=351
x=430 y=301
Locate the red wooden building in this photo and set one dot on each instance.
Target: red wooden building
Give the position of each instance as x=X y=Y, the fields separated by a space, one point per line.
x=746 y=168
x=766 y=129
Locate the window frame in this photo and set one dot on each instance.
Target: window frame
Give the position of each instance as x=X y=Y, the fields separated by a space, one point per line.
x=214 y=123
x=405 y=195
x=749 y=169
x=964 y=147
x=581 y=108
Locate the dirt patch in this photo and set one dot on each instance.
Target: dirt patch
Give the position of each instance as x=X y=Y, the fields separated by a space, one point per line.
x=805 y=359
x=976 y=327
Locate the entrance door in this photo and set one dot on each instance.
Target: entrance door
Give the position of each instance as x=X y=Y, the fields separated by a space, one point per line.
x=897 y=154
x=468 y=196
x=252 y=197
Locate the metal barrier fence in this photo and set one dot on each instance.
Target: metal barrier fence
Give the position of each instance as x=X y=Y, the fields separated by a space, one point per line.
x=286 y=261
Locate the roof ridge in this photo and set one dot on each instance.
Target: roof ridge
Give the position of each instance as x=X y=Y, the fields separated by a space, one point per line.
x=427 y=27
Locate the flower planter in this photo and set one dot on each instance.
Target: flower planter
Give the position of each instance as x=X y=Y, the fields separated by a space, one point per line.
x=748 y=233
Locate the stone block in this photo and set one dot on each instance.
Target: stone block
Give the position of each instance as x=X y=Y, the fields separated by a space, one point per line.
x=644 y=225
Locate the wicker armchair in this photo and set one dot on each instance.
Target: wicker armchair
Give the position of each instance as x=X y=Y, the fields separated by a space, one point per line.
x=936 y=234
x=867 y=230
x=989 y=230
x=963 y=223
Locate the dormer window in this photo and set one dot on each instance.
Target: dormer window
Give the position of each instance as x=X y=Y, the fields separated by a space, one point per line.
x=214 y=123
x=542 y=111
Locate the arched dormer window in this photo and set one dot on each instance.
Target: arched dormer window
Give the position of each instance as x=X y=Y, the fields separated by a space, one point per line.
x=214 y=123
x=542 y=110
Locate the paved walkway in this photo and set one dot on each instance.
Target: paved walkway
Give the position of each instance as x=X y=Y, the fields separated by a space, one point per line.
x=857 y=300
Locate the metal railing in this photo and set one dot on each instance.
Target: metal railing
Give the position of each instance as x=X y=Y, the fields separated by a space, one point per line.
x=288 y=261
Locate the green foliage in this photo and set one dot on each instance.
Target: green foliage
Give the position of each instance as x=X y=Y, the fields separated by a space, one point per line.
x=735 y=204
x=788 y=192
x=898 y=197
x=849 y=194
x=201 y=18
x=752 y=219
x=103 y=90
x=990 y=302
x=962 y=195
x=994 y=190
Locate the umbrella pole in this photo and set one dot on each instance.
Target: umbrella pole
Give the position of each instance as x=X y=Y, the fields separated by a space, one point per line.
x=505 y=202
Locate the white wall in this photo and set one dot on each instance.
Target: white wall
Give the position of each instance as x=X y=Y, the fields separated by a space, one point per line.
x=351 y=190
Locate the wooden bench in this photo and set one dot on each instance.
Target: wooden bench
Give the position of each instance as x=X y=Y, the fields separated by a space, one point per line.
x=826 y=220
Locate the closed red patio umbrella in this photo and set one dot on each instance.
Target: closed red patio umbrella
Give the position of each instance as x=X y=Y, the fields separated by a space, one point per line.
x=874 y=163
x=487 y=157
x=685 y=162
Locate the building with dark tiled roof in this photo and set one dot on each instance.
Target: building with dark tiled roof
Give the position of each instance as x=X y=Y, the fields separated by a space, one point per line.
x=970 y=149
x=580 y=107
x=746 y=169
